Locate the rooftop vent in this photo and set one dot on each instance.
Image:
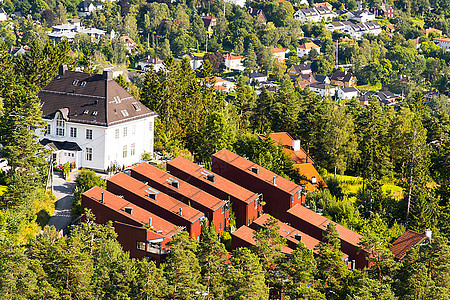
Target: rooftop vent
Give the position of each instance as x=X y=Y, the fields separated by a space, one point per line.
x=273 y=180
x=107 y=75
x=62 y=69
x=103 y=197
x=255 y=170
x=296 y=145
x=150 y=222
x=210 y=177
x=314 y=180
x=152 y=193
x=159 y=231
x=181 y=211
x=128 y=210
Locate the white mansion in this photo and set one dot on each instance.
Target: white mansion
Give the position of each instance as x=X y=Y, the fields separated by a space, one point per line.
x=94 y=122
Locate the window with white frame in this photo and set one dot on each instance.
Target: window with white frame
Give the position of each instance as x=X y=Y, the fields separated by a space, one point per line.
x=73 y=132
x=49 y=129
x=150 y=126
x=140 y=245
x=89 y=154
x=133 y=149
x=125 y=131
x=133 y=129
x=89 y=134
x=117 y=133
x=125 y=151
x=60 y=126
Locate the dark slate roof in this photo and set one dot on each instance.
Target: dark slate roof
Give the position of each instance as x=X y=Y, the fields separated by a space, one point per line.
x=55 y=145
x=207 y=20
x=322 y=86
x=302 y=67
x=320 y=78
x=349 y=89
x=343 y=76
x=90 y=99
x=255 y=75
x=84 y=5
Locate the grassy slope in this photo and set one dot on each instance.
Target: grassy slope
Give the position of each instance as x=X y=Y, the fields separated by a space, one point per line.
x=351 y=185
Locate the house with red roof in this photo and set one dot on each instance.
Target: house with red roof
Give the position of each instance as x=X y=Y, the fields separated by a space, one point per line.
x=293 y=236
x=278 y=193
x=315 y=225
x=245 y=204
x=244 y=237
x=129 y=221
x=215 y=209
x=279 y=53
x=409 y=240
x=156 y=202
x=234 y=62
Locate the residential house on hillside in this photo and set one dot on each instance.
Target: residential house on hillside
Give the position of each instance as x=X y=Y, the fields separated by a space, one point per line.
x=442 y=42
x=94 y=122
x=149 y=62
x=323 y=89
x=343 y=78
x=69 y=31
x=245 y=204
x=347 y=93
x=258 y=13
x=234 y=62
x=323 y=4
x=305 y=48
x=304 y=68
x=85 y=8
x=256 y=77
x=362 y=16
x=128 y=42
x=157 y=202
x=129 y=221
x=223 y=85
x=210 y=22
x=279 y=53
x=355 y=30
x=322 y=78
x=315 y=225
x=409 y=240
x=430 y=30
x=303 y=80
x=385 y=10
x=215 y=209
x=315 y=14
x=278 y=193
x=385 y=97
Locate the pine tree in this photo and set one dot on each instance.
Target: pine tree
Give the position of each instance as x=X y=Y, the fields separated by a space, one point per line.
x=182 y=269
x=245 y=276
x=212 y=254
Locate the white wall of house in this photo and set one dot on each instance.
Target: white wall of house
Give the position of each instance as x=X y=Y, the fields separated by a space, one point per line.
x=107 y=147
x=349 y=95
x=234 y=64
x=329 y=92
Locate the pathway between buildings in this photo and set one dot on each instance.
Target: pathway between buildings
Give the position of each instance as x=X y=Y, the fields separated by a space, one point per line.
x=63 y=191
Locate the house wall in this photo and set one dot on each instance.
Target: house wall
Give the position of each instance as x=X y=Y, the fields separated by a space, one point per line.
x=244 y=213
x=106 y=149
x=316 y=232
x=277 y=201
x=129 y=236
x=193 y=228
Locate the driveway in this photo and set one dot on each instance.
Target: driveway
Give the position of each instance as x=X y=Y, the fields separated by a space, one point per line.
x=63 y=191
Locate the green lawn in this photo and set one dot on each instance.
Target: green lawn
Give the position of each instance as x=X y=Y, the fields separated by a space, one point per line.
x=369 y=87
x=418 y=21
x=2 y=189
x=351 y=184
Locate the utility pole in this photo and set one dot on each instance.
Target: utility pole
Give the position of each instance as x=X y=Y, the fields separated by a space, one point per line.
x=337 y=53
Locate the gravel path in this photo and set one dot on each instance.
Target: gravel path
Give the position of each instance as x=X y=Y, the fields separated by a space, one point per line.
x=63 y=191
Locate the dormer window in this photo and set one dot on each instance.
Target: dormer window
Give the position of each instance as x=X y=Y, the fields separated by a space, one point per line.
x=85 y=112
x=60 y=125
x=95 y=112
x=136 y=106
x=83 y=84
x=75 y=82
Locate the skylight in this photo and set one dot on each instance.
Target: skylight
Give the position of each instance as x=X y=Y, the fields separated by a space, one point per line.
x=95 y=112
x=85 y=112
x=124 y=113
x=136 y=106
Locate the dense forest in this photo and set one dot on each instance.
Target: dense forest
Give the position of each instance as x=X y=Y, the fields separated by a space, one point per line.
x=408 y=146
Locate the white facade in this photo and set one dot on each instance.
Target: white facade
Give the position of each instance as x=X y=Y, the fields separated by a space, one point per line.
x=347 y=93
x=315 y=15
x=101 y=147
x=443 y=42
x=323 y=90
x=306 y=48
x=234 y=62
x=363 y=16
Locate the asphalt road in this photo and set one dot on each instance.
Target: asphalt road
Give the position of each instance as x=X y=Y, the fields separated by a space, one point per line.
x=63 y=191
